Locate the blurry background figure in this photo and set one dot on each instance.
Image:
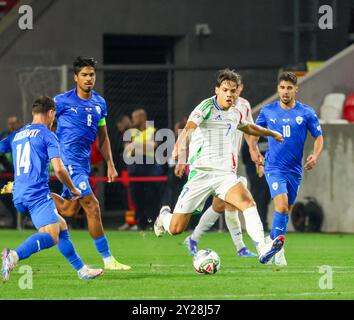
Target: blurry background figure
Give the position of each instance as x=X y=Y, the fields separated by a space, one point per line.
x=174 y=184
x=123 y=190
x=259 y=187
x=6 y=169
x=146 y=195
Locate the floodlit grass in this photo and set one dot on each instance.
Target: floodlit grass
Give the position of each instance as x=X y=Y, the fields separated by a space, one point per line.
x=162 y=269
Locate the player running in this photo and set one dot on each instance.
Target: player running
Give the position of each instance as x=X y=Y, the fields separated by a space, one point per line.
x=81 y=115
x=283 y=162
x=209 y=137
x=33 y=147
x=212 y=214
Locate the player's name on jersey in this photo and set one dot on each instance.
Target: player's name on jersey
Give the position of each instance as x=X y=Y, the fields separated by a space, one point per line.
x=26 y=134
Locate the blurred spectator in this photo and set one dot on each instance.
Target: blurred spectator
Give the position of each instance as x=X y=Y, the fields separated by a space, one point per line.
x=123 y=124
x=146 y=195
x=259 y=187
x=174 y=184
x=6 y=168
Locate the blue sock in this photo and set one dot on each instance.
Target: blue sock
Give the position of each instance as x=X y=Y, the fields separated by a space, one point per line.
x=280 y=221
x=102 y=246
x=33 y=244
x=67 y=249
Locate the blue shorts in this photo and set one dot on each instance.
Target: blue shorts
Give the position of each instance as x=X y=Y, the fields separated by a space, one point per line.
x=280 y=183
x=81 y=181
x=42 y=212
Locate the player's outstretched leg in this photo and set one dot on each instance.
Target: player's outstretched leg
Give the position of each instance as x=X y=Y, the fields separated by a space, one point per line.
x=35 y=243
x=241 y=198
x=173 y=223
x=95 y=227
x=67 y=249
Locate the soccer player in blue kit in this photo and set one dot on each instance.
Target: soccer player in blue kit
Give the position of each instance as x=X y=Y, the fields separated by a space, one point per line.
x=33 y=147
x=283 y=162
x=81 y=114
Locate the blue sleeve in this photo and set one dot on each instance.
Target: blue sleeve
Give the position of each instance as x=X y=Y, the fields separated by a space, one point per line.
x=5 y=145
x=53 y=149
x=104 y=109
x=59 y=106
x=261 y=120
x=313 y=125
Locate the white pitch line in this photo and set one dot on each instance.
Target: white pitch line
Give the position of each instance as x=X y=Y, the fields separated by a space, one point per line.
x=225 y=296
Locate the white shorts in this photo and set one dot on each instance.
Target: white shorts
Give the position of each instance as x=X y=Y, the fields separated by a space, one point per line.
x=201 y=185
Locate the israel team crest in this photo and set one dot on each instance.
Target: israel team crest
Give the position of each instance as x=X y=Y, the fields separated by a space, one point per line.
x=299 y=120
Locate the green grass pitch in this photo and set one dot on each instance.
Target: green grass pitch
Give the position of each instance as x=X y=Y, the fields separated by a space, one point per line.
x=162 y=269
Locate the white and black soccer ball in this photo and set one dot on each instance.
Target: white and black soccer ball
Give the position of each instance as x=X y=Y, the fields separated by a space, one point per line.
x=206 y=261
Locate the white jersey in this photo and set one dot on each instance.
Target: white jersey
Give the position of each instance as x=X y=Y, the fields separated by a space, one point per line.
x=213 y=144
x=245 y=108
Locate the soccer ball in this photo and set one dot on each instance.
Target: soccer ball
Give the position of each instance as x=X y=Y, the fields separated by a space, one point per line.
x=206 y=261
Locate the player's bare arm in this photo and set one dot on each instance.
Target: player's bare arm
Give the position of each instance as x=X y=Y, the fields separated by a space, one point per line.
x=312 y=159
x=254 y=130
x=105 y=148
x=180 y=150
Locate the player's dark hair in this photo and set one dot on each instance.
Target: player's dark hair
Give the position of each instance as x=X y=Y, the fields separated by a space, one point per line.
x=228 y=75
x=82 y=62
x=288 y=76
x=43 y=104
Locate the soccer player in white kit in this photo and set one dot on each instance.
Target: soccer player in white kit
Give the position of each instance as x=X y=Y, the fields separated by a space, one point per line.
x=209 y=139
x=212 y=214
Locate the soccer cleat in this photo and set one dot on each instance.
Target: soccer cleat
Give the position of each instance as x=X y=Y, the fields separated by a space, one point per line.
x=191 y=245
x=158 y=225
x=7 y=188
x=271 y=249
x=8 y=263
x=117 y=266
x=279 y=259
x=87 y=273
x=246 y=253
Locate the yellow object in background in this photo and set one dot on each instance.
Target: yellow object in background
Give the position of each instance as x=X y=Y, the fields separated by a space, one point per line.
x=7 y=188
x=313 y=65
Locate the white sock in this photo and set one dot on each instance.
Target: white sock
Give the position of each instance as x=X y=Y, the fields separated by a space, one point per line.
x=167 y=221
x=108 y=260
x=15 y=256
x=84 y=268
x=254 y=227
x=234 y=225
x=206 y=221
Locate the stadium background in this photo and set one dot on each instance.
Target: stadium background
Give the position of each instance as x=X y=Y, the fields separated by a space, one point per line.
x=163 y=56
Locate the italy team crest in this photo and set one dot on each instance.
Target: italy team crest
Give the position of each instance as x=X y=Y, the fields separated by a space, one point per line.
x=98 y=109
x=299 y=120
x=275 y=186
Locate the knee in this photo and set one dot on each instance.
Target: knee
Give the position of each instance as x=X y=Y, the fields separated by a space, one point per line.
x=92 y=208
x=282 y=208
x=249 y=203
x=219 y=207
x=175 y=229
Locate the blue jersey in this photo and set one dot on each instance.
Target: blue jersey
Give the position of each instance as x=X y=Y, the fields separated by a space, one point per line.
x=77 y=126
x=32 y=148
x=293 y=125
